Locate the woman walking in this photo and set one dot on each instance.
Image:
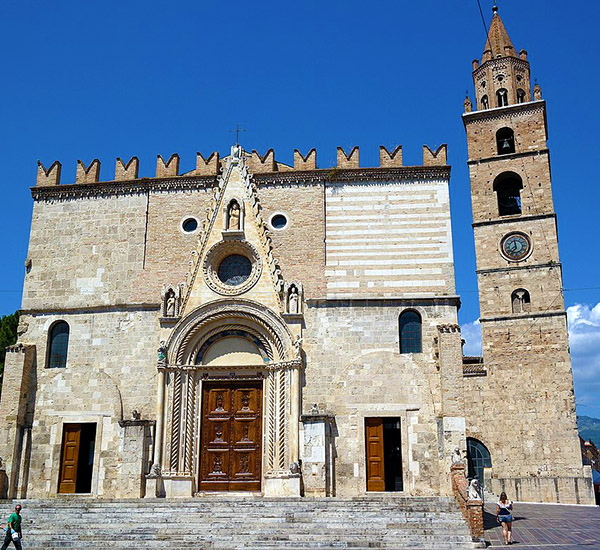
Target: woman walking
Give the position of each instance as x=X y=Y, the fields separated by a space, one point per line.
x=504 y=508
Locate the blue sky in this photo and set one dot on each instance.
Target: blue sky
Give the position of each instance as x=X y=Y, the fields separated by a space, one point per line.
x=115 y=79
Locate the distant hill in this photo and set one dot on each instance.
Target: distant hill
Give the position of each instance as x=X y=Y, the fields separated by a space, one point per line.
x=589 y=428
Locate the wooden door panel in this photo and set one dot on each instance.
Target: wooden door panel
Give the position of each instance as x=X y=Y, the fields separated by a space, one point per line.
x=70 y=458
x=218 y=430
x=374 y=448
x=219 y=401
x=246 y=432
x=231 y=436
x=245 y=401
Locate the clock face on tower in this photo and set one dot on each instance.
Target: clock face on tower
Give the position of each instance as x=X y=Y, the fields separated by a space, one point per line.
x=515 y=246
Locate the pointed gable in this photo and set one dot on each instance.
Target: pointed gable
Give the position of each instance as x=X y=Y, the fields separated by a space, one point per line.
x=498 y=42
x=234 y=257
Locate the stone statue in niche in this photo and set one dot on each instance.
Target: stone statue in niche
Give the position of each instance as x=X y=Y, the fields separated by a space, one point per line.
x=233 y=216
x=293 y=300
x=170 y=304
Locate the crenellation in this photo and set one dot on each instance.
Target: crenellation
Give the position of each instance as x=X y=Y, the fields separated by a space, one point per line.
x=347 y=161
x=391 y=159
x=437 y=157
x=213 y=165
x=209 y=166
x=46 y=178
x=308 y=162
x=126 y=171
x=258 y=163
x=89 y=174
x=169 y=168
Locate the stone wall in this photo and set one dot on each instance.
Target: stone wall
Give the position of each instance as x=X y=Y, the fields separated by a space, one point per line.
x=389 y=239
x=354 y=370
x=111 y=371
x=524 y=409
x=85 y=252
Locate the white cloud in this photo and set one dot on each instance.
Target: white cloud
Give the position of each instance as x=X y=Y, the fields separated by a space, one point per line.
x=471 y=332
x=584 y=339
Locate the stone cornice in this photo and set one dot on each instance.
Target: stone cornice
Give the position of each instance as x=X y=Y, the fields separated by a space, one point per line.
x=499 y=61
x=519 y=267
x=187 y=183
x=333 y=175
x=114 y=308
x=523 y=316
x=504 y=112
x=130 y=187
x=511 y=156
x=513 y=219
x=404 y=301
x=275 y=366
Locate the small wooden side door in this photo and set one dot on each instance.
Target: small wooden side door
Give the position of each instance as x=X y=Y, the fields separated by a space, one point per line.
x=69 y=459
x=374 y=447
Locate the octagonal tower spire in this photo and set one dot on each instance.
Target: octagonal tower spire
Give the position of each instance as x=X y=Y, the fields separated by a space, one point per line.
x=503 y=77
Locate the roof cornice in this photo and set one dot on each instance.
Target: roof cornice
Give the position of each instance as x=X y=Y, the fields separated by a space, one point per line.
x=187 y=183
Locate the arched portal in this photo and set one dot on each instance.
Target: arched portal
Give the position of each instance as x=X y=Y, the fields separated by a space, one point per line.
x=231 y=374
x=478 y=458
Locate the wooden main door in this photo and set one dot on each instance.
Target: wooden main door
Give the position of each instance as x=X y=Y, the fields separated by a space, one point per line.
x=230 y=443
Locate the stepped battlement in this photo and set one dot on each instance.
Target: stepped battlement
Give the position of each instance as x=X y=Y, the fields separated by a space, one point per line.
x=213 y=164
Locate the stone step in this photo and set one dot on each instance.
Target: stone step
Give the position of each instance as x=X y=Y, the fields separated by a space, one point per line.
x=246 y=523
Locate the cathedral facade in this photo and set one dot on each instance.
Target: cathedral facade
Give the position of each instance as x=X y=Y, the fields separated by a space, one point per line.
x=293 y=330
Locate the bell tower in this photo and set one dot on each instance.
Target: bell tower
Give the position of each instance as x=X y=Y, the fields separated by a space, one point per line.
x=524 y=408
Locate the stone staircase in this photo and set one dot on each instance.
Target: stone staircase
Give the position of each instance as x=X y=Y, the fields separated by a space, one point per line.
x=243 y=522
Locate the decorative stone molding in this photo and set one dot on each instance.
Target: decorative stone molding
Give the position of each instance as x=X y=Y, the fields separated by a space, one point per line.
x=236 y=159
x=217 y=253
x=189 y=331
x=140 y=186
x=448 y=328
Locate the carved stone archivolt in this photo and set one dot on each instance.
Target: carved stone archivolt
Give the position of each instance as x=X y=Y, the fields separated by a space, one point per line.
x=184 y=374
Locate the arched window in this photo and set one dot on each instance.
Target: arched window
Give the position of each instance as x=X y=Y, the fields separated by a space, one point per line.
x=508 y=187
x=521 y=301
x=505 y=139
x=410 y=332
x=58 y=345
x=502 y=96
x=520 y=96
x=478 y=458
x=485 y=102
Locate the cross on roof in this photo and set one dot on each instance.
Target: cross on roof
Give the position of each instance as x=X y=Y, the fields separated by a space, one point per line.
x=237 y=133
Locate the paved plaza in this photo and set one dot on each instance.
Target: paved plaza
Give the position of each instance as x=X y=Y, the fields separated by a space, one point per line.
x=547 y=526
